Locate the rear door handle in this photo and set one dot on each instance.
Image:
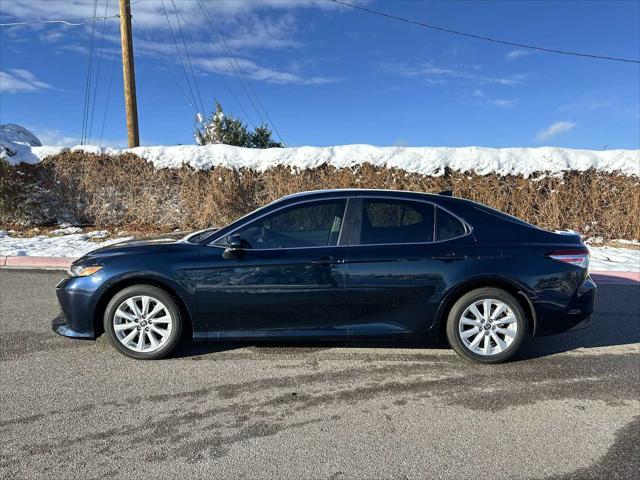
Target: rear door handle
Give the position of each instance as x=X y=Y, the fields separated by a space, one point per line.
x=327 y=260
x=449 y=256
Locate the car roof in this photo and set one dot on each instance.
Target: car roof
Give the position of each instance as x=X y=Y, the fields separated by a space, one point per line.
x=351 y=192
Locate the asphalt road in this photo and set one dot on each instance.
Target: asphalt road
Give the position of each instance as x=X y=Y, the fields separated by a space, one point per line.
x=569 y=407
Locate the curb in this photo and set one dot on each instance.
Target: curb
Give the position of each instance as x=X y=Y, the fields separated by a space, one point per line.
x=43 y=263
x=63 y=263
x=616 y=277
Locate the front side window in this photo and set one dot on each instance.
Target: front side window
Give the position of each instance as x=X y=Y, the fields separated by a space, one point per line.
x=395 y=221
x=314 y=224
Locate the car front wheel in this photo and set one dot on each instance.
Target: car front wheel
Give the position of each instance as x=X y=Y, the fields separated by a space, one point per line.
x=143 y=322
x=486 y=325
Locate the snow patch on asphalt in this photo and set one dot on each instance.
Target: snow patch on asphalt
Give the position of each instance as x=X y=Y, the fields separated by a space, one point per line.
x=424 y=160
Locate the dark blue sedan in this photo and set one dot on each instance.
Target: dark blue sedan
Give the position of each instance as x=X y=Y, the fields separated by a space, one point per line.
x=338 y=264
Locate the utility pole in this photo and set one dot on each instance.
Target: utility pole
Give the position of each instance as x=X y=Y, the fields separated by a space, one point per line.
x=129 y=74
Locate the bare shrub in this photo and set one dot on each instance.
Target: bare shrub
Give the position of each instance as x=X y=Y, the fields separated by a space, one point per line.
x=127 y=191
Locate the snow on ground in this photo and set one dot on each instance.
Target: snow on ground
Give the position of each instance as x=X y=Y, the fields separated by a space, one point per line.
x=69 y=245
x=614 y=259
x=603 y=259
x=424 y=160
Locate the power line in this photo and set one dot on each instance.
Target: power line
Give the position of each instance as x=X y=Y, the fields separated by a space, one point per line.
x=95 y=88
x=163 y=57
x=481 y=37
x=175 y=42
x=64 y=22
x=184 y=42
x=87 y=91
x=106 y=104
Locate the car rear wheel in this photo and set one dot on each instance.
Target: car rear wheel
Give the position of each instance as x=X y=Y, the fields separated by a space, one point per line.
x=486 y=325
x=143 y=322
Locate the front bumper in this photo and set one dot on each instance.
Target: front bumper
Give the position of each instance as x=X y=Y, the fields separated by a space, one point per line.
x=61 y=327
x=76 y=298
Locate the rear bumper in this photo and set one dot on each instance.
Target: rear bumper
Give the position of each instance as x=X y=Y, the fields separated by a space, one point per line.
x=76 y=301
x=558 y=317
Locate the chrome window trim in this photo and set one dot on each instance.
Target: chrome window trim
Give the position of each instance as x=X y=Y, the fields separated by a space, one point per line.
x=468 y=227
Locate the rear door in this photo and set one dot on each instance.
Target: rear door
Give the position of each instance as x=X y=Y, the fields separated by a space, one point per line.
x=402 y=256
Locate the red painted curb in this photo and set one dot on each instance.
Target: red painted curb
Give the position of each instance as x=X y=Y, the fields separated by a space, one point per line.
x=61 y=263
x=615 y=277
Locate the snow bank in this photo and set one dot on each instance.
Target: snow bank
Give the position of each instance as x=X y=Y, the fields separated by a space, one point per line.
x=612 y=259
x=424 y=160
x=72 y=245
x=16 y=143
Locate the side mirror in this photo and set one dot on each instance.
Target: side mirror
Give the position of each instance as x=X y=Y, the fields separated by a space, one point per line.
x=234 y=247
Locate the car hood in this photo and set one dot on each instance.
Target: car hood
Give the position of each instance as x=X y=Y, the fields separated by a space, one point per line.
x=142 y=245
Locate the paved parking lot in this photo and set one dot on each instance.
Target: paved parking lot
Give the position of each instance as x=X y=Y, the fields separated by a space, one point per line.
x=569 y=407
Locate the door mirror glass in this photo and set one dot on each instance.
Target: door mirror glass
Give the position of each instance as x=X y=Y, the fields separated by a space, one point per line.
x=235 y=246
x=234 y=242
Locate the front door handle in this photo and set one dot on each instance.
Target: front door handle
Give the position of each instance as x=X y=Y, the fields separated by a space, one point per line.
x=327 y=260
x=449 y=256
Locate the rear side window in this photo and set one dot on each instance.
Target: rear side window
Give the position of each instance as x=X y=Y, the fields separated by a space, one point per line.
x=448 y=226
x=395 y=221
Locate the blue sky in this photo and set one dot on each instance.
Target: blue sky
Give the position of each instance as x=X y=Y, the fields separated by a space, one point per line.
x=330 y=75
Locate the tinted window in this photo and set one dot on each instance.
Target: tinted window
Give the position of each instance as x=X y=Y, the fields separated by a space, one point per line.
x=395 y=221
x=448 y=226
x=308 y=225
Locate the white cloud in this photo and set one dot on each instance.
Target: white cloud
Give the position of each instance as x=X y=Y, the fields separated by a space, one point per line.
x=553 y=130
x=245 y=26
x=514 y=54
x=477 y=93
x=439 y=75
x=225 y=65
x=505 y=103
x=17 y=80
x=150 y=13
x=588 y=103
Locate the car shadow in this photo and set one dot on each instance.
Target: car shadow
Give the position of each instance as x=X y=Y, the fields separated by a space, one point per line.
x=616 y=321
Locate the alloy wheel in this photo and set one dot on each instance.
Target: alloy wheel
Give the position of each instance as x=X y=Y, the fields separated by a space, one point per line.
x=142 y=323
x=488 y=327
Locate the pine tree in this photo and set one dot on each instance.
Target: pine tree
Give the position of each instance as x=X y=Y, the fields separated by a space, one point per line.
x=228 y=130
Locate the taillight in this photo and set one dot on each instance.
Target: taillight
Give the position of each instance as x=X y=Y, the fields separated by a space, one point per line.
x=579 y=258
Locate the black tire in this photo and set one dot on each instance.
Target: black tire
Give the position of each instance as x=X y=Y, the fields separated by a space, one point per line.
x=156 y=293
x=468 y=299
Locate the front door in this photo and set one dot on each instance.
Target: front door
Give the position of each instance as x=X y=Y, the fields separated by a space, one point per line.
x=288 y=280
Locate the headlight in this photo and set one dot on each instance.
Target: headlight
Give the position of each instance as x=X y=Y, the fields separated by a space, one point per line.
x=83 y=271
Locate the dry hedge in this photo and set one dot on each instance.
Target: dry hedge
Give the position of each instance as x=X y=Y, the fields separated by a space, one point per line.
x=129 y=192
